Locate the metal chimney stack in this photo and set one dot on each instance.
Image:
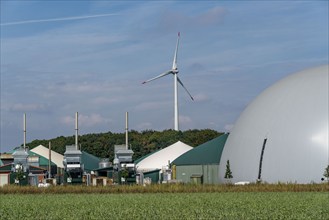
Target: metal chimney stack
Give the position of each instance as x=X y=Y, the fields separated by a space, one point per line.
x=49 y=164
x=24 y=129
x=126 y=130
x=76 y=130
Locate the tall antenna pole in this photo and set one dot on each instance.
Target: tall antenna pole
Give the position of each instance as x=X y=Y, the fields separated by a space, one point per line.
x=49 y=164
x=24 y=129
x=76 y=130
x=126 y=130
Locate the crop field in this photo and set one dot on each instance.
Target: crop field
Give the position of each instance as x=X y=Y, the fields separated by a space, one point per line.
x=215 y=205
x=165 y=188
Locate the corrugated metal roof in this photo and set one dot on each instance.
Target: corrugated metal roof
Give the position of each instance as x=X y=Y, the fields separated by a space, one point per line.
x=145 y=156
x=42 y=160
x=160 y=158
x=90 y=161
x=55 y=157
x=6 y=156
x=207 y=153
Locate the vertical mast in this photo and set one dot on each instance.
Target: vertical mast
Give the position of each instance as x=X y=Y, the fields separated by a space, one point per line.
x=49 y=159
x=175 y=72
x=76 y=130
x=176 y=103
x=126 y=130
x=24 y=129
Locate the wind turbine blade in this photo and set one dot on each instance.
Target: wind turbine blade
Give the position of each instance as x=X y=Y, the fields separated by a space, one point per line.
x=174 y=65
x=180 y=82
x=159 y=76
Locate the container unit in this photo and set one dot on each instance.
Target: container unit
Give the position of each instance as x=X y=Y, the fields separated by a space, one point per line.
x=72 y=165
x=152 y=176
x=20 y=168
x=21 y=158
x=124 y=171
x=105 y=162
x=123 y=165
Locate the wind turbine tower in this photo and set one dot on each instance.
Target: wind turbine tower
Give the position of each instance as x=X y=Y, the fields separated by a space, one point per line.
x=174 y=71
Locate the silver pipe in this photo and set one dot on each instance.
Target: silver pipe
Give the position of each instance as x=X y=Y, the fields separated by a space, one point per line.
x=76 y=130
x=126 y=130
x=24 y=129
x=49 y=165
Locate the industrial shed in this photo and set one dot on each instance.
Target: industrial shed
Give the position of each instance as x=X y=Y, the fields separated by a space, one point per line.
x=160 y=158
x=55 y=157
x=37 y=160
x=200 y=165
x=35 y=175
x=36 y=168
x=89 y=161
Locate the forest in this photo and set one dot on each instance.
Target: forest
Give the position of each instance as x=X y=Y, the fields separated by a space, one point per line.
x=142 y=143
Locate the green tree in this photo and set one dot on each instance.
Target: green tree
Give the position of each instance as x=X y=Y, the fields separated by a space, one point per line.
x=124 y=174
x=142 y=143
x=20 y=175
x=326 y=172
x=228 y=172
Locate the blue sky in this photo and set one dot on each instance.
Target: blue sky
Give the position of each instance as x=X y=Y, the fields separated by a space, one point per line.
x=60 y=57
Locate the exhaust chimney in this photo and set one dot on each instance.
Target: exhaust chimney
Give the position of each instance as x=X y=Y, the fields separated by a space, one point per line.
x=24 y=129
x=76 y=130
x=126 y=130
x=49 y=165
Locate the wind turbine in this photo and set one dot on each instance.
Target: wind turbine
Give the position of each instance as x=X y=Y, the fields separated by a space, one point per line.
x=174 y=71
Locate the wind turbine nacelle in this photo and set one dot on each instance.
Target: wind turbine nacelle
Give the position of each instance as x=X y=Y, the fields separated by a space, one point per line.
x=175 y=71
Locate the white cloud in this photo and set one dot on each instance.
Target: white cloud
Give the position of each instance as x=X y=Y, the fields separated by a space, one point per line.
x=201 y=97
x=54 y=19
x=153 y=105
x=87 y=87
x=228 y=127
x=145 y=126
x=174 y=20
x=104 y=101
x=86 y=120
x=185 y=121
x=30 y=107
x=211 y=17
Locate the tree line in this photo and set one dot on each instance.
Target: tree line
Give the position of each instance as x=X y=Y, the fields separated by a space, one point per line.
x=142 y=143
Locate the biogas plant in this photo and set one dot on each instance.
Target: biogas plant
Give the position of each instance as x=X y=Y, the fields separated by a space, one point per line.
x=282 y=136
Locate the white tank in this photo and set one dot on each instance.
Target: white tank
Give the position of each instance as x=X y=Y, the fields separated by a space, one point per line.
x=104 y=163
x=293 y=116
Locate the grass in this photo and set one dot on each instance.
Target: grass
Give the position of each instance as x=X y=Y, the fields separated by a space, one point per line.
x=216 y=205
x=165 y=188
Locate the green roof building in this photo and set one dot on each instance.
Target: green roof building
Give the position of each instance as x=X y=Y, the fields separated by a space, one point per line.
x=201 y=164
x=41 y=161
x=89 y=161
